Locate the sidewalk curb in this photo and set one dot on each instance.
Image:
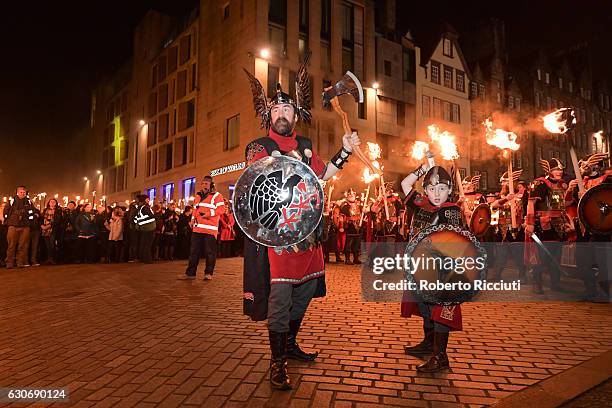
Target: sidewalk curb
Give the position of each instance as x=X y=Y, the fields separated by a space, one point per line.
x=563 y=387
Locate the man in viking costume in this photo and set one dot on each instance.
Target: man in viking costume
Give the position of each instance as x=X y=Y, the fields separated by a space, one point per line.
x=433 y=208
x=351 y=208
x=279 y=282
x=511 y=241
x=472 y=198
x=593 y=248
x=546 y=218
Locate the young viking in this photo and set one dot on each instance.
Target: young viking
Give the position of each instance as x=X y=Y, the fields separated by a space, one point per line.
x=432 y=209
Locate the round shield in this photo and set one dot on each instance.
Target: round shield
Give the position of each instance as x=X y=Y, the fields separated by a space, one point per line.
x=595 y=209
x=444 y=264
x=278 y=201
x=480 y=220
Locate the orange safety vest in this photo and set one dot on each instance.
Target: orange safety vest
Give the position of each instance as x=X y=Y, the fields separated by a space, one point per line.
x=213 y=206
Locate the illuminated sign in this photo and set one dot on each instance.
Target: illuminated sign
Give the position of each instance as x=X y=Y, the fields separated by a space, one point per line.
x=117 y=139
x=228 y=169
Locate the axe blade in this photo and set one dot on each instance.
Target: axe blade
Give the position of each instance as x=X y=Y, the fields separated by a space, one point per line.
x=349 y=84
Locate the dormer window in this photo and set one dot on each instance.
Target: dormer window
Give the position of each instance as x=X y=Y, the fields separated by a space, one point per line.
x=447 y=47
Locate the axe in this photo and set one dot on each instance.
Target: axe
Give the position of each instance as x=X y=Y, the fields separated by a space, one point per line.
x=348 y=85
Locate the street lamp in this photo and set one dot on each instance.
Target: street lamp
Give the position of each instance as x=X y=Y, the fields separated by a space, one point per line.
x=375 y=85
x=264 y=53
x=141 y=122
x=85 y=179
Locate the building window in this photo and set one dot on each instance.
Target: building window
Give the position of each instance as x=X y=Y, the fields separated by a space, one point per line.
x=484 y=181
x=517 y=104
x=482 y=91
x=455 y=113
x=151 y=192
x=547 y=78
x=185 y=49
x=180 y=151
x=401 y=114
x=165 y=157
x=511 y=102
x=168 y=192
x=387 y=67
x=426 y=107
x=325 y=56
x=181 y=84
x=548 y=103
x=437 y=108
x=189 y=188
x=570 y=87
x=162 y=131
x=498 y=97
x=537 y=99
x=560 y=83
x=462 y=172
x=326 y=19
x=304 y=15
x=232 y=132
x=152 y=133
x=446 y=110
x=539 y=153
x=409 y=73
x=448 y=76
x=473 y=90
x=460 y=81
x=363 y=108
x=302 y=46
x=348 y=58
x=447 y=47
x=435 y=72
x=539 y=74
x=273 y=74
x=226 y=11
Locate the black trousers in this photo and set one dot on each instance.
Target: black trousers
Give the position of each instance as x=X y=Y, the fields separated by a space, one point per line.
x=145 y=246
x=206 y=244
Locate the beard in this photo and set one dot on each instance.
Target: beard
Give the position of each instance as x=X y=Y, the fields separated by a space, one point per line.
x=283 y=127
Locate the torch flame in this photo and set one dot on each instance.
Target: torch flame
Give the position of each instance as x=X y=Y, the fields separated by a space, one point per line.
x=374 y=151
x=368 y=176
x=499 y=137
x=418 y=150
x=446 y=141
x=558 y=121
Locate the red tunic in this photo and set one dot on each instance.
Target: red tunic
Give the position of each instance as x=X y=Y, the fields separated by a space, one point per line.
x=294 y=267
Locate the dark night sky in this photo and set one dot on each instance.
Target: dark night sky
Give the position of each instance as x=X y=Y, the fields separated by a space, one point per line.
x=54 y=52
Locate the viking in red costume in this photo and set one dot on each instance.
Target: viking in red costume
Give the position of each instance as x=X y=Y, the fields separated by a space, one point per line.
x=279 y=282
x=593 y=248
x=546 y=218
x=433 y=208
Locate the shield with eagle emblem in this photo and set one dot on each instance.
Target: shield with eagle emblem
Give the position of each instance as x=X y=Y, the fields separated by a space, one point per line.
x=278 y=201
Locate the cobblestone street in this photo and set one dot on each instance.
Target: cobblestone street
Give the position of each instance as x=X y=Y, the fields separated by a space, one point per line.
x=134 y=335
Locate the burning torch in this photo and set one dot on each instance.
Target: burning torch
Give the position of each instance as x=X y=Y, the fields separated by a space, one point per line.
x=562 y=121
x=506 y=141
x=448 y=150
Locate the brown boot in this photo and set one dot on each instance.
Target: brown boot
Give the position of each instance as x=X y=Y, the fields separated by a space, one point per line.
x=439 y=360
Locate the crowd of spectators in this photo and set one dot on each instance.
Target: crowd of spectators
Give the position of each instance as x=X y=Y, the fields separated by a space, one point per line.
x=82 y=233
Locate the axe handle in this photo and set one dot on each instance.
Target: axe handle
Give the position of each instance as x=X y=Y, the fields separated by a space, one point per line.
x=348 y=130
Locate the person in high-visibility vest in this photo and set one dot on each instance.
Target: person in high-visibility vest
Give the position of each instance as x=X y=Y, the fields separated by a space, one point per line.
x=208 y=207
